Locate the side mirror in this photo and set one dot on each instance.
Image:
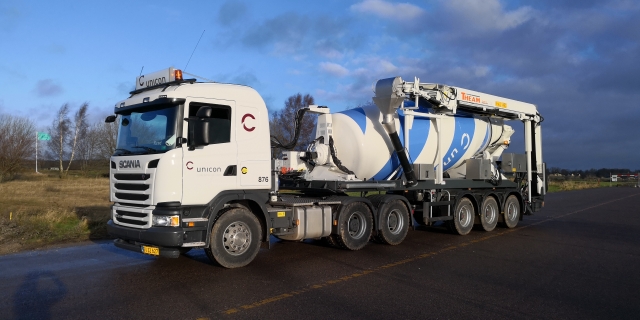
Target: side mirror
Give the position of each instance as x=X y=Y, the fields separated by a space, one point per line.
x=198 y=133
x=110 y=119
x=199 y=128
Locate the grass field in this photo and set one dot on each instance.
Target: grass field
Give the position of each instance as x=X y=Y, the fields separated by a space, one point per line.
x=37 y=210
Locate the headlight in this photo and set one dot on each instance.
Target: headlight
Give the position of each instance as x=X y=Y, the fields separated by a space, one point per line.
x=166 y=221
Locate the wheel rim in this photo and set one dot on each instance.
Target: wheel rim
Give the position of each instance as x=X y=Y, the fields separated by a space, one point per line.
x=489 y=213
x=464 y=216
x=512 y=212
x=395 y=221
x=236 y=238
x=357 y=225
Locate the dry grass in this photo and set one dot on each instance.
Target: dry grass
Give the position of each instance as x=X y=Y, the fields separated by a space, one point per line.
x=39 y=210
x=585 y=184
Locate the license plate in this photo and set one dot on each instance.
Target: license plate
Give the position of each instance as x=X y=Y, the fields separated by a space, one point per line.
x=151 y=250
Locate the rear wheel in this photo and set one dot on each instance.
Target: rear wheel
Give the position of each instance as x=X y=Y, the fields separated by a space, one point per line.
x=394 y=223
x=489 y=214
x=463 y=217
x=354 y=226
x=235 y=239
x=511 y=211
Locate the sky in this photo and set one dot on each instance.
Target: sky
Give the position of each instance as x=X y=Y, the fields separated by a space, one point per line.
x=577 y=60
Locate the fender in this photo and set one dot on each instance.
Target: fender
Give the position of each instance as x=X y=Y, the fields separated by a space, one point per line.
x=256 y=199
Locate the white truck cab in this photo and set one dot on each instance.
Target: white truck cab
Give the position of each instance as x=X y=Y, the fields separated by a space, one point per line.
x=181 y=145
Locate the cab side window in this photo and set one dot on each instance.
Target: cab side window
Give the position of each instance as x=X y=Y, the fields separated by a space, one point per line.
x=219 y=121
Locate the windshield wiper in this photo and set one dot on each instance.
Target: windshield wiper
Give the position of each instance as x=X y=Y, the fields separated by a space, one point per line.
x=125 y=151
x=146 y=148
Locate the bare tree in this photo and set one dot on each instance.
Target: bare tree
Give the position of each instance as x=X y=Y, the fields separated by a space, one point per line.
x=283 y=121
x=60 y=130
x=88 y=146
x=17 y=137
x=79 y=130
x=108 y=133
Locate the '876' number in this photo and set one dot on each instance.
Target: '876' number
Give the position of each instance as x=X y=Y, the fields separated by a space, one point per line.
x=263 y=179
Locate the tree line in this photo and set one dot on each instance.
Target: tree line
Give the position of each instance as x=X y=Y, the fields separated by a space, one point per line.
x=591 y=173
x=74 y=139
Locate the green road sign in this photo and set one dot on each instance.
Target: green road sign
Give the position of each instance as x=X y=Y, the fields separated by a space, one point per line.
x=43 y=136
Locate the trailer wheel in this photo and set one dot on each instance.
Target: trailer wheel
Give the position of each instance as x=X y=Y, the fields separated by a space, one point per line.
x=394 y=223
x=463 y=217
x=354 y=226
x=489 y=214
x=235 y=239
x=511 y=211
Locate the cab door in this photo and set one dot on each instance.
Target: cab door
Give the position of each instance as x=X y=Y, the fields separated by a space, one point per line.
x=210 y=169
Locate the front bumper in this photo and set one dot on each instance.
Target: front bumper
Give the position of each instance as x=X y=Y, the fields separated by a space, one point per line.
x=162 y=252
x=159 y=236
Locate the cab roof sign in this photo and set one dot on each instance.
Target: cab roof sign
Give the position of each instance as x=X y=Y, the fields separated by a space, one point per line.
x=156 y=78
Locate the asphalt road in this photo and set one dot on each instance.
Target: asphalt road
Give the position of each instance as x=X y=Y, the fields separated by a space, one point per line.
x=578 y=258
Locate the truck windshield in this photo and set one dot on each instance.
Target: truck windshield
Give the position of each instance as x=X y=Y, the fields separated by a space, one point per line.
x=147 y=131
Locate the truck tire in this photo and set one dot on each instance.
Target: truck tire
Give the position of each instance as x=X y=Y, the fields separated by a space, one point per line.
x=511 y=212
x=463 y=217
x=394 y=223
x=355 y=225
x=235 y=238
x=489 y=212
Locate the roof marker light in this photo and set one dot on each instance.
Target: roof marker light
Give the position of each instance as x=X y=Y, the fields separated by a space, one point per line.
x=178 y=74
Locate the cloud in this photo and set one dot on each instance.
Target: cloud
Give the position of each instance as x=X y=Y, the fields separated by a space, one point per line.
x=333 y=69
x=297 y=35
x=485 y=15
x=388 y=10
x=231 y=12
x=47 y=88
x=286 y=32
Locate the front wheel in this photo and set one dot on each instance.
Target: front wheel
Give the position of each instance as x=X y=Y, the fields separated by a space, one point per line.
x=235 y=239
x=511 y=211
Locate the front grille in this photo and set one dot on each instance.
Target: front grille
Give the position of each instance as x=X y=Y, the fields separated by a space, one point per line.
x=129 y=186
x=132 y=214
x=135 y=222
x=132 y=217
x=132 y=196
x=132 y=192
x=132 y=176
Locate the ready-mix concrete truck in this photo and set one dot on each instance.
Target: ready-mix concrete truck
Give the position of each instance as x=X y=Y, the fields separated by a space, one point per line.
x=193 y=168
